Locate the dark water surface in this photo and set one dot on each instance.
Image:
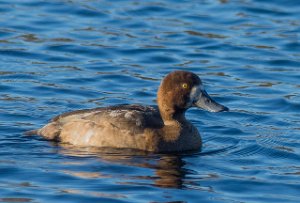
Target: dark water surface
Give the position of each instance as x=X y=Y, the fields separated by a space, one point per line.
x=62 y=55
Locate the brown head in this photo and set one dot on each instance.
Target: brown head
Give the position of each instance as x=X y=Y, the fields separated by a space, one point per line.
x=180 y=90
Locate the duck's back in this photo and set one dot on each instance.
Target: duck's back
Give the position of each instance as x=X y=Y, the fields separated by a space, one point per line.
x=115 y=126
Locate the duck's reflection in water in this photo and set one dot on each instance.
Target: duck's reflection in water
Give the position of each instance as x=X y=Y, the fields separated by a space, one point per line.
x=168 y=169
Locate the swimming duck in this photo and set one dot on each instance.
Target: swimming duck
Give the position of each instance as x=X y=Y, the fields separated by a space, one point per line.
x=156 y=129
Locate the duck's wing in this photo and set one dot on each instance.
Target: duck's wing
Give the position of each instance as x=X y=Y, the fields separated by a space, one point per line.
x=142 y=116
x=129 y=117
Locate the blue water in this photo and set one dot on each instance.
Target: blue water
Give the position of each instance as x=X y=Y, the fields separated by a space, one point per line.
x=62 y=55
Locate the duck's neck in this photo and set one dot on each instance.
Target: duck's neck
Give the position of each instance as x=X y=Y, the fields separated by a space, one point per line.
x=170 y=115
x=174 y=123
x=174 y=119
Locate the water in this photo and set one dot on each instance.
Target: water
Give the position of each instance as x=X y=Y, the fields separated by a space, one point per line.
x=57 y=56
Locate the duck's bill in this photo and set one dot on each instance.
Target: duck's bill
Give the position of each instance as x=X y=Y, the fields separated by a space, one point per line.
x=204 y=101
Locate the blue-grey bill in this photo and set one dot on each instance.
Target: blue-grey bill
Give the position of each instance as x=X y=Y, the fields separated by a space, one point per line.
x=204 y=101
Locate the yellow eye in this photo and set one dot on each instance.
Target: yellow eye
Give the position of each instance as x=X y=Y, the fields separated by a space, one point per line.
x=184 y=85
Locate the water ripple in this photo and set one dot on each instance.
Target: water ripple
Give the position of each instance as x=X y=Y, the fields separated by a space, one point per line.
x=58 y=56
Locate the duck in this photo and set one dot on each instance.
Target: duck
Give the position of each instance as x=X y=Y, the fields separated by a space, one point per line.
x=160 y=129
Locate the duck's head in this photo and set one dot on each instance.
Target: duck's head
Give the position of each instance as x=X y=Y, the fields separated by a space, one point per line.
x=180 y=90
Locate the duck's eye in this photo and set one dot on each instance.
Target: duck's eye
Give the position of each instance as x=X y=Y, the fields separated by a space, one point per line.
x=184 y=85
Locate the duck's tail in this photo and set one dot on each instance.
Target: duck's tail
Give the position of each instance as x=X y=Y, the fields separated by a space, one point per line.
x=32 y=132
x=51 y=131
